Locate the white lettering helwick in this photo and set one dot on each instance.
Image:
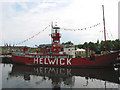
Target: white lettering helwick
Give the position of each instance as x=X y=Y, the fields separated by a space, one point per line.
x=48 y=61
x=68 y=61
x=36 y=60
x=41 y=59
x=52 y=61
x=57 y=61
x=45 y=61
x=61 y=63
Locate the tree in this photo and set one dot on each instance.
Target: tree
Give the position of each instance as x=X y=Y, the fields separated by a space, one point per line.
x=116 y=45
x=108 y=45
x=92 y=46
x=67 y=43
x=85 y=45
x=79 y=46
x=102 y=46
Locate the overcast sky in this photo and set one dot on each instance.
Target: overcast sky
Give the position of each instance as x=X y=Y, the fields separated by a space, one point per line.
x=21 y=19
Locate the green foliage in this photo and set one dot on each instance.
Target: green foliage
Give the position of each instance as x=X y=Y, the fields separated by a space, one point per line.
x=92 y=46
x=79 y=46
x=82 y=55
x=67 y=43
x=116 y=45
x=85 y=45
x=110 y=45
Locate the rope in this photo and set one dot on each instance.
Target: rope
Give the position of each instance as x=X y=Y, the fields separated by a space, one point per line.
x=31 y=36
x=82 y=28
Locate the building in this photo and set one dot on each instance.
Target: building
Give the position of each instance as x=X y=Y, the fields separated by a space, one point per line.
x=70 y=50
x=80 y=51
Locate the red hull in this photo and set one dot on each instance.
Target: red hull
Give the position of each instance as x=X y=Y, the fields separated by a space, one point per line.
x=98 y=61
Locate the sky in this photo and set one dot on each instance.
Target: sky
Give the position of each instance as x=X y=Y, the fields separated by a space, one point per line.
x=21 y=19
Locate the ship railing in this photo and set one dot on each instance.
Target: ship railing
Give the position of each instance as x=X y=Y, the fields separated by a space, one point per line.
x=46 y=56
x=21 y=54
x=18 y=54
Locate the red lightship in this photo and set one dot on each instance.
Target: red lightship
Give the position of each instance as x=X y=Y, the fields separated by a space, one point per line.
x=54 y=57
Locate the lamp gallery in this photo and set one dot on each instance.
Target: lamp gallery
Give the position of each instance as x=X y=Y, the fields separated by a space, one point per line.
x=53 y=61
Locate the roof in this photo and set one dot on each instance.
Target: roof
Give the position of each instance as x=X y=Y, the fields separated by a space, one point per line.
x=56 y=27
x=80 y=49
x=69 y=46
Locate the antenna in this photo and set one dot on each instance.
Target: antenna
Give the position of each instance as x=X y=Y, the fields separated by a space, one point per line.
x=52 y=24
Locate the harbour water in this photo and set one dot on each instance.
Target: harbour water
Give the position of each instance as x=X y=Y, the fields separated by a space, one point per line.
x=22 y=76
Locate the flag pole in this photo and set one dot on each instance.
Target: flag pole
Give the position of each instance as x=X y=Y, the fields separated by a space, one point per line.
x=104 y=29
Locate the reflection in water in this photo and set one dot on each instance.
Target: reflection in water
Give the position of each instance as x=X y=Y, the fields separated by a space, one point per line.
x=20 y=76
x=56 y=75
x=62 y=76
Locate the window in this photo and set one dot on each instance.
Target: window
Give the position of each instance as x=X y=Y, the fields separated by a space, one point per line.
x=56 y=31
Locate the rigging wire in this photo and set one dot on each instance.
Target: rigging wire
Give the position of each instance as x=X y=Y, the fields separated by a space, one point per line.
x=32 y=36
x=107 y=35
x=109 y=32
x=101 y=35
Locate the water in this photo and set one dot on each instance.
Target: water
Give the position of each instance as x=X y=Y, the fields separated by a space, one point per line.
x=21 y=76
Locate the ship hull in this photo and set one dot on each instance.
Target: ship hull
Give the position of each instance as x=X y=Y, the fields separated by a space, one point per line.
x=106 y=60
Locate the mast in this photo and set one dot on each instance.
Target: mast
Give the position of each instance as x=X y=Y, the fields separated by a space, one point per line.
x=104 y=29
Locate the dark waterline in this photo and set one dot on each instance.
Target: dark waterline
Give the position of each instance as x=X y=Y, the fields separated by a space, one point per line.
x=21 y=76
